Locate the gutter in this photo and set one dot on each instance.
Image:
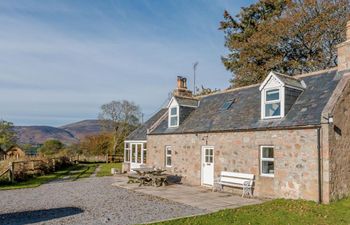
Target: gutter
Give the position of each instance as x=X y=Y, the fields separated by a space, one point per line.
x=238 y=130
x=319 y=165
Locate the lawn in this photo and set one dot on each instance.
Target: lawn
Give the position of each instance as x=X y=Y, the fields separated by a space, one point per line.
x=105 y=169
x=276 y=212
x=73 y=172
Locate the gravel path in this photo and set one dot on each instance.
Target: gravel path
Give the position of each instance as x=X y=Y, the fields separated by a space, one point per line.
x=86 y=201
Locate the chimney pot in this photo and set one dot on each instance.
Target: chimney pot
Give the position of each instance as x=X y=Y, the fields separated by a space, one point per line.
x=182 y=87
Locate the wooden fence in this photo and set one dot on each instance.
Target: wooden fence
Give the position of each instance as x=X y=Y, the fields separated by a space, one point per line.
x=22 y=169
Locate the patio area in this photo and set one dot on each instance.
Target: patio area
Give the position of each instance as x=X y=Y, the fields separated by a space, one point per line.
x=195 y=196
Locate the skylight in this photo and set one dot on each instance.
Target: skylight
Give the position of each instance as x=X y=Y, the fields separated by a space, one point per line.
x=227 y=104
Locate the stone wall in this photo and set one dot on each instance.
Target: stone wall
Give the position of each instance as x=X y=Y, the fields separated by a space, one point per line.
x=296 y=171
x=339 y=147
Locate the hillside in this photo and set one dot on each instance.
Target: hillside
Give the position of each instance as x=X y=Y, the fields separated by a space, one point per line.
x=70 y=133
x=85 y=128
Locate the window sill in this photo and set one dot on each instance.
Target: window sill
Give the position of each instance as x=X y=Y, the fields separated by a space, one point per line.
x=267 y=175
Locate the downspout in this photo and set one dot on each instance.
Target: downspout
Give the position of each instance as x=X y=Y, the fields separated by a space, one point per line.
x=319 y=165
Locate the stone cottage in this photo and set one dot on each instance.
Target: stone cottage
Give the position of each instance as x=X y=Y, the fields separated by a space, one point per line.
x=292 y=133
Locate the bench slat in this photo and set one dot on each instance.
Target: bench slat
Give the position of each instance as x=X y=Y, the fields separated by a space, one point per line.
x=234 y=180
x=238 y=175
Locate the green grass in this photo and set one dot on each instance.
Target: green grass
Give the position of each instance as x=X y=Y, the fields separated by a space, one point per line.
x=82 y=171
x=276 y=212
x=105 y=169
x=74 y=172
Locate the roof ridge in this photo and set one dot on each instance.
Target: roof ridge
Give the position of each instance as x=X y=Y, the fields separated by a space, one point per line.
x=295 y=77
x=315 y=72
x=230 y=90
x=286 y=76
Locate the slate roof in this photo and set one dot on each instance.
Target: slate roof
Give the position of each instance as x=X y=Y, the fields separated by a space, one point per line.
x=186 y=101
x=288 y=80
x=244 y=114
x=140 y=134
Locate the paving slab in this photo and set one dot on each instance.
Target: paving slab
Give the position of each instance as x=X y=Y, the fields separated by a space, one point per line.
x=196 y=196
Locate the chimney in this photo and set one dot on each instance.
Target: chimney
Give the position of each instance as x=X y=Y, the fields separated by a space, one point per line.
x=182 y=90
x=344 y=51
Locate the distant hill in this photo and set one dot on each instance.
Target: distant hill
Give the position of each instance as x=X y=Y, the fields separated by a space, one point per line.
x=85 y=128
x=70 y=133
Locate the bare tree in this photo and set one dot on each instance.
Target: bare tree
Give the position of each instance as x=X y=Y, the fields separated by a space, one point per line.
x=124 y=117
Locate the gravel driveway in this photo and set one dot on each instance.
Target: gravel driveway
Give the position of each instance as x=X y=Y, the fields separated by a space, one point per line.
x=86 y=201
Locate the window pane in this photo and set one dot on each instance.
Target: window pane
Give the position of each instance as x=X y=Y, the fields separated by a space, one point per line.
x=144 y=156
x=173 y=111
x=133 y=153
x=168 y=161
x=272 y=95
x=173 y=121
x=144 y=145
x=139 y=154
x=267 y=167
x=273 y=109
x=267 y=153
x=168 y=151
x=211 y=152
x=127 y=155
x=126 y=145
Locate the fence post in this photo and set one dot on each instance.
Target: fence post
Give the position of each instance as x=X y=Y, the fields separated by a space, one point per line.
x=11 y=172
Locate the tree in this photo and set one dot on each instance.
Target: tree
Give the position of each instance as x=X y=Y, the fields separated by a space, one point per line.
x=96 y=145
x=124 y=116
x=51 y=147
x=206 y=91
x=287 y=36
x=8 y=136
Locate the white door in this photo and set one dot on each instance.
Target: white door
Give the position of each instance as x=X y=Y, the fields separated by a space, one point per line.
x=136 y=156
x=208 y=165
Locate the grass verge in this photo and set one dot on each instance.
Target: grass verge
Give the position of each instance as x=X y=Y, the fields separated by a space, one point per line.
x=73 y=172
x=105 y=169
x=276 y=212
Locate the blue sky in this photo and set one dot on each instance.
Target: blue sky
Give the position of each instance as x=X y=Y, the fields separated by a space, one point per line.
x=61 y=60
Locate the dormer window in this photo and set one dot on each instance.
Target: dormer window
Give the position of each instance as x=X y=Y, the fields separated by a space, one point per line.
x=278 y=94
x=174 y=116
x=272 y=103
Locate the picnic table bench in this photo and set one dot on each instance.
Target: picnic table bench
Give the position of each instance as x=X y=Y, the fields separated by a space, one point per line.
x=232 y=179
x=148 y=176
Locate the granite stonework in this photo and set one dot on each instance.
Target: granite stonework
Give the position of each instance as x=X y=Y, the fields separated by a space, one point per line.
x=339 y=145
x=295 y=158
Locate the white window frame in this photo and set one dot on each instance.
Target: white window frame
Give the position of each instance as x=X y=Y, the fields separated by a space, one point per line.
x=264 y=102
x=127 y=150
x=168 y=155
x=136 y=142
x=262 y=159
x=172 y=116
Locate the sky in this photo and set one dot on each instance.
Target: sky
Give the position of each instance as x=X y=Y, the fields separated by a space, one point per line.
x=61 y=60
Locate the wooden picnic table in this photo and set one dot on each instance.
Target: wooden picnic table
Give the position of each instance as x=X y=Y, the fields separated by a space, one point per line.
x=149 y=176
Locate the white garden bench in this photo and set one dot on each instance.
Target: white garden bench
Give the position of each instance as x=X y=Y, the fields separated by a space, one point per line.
x=232 y=179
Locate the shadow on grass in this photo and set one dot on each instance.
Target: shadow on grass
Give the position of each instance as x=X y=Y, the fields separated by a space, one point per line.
x=36 y=216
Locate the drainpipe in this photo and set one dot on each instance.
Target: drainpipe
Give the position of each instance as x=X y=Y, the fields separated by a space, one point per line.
x=319 y=165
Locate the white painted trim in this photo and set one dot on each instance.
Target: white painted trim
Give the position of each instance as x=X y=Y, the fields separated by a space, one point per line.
x=267 y=159
x=171 y=101
x=135 y=141
x=281 y=101
x=166 y=155
x=202 y=158
x=171 y=116
x=267 y=79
